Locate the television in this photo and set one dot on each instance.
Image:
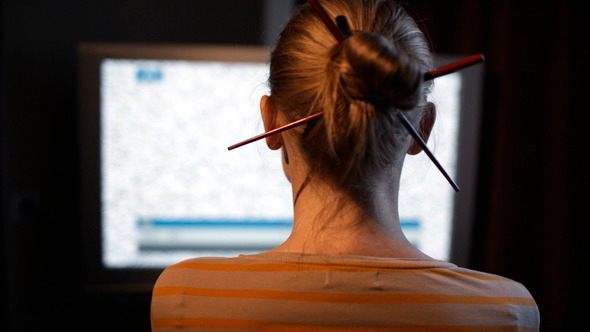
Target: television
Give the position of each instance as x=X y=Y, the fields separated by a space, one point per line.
x=158 y=184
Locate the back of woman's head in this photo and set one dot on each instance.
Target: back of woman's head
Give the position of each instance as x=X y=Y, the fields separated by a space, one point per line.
x=358 y=84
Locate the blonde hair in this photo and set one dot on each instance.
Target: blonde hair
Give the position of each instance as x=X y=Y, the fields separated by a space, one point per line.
x=358 y=84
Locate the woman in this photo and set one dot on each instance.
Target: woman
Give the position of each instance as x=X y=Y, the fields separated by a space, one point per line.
x=347 y=263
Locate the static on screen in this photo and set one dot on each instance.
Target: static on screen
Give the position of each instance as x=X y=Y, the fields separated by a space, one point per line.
x=171 y=190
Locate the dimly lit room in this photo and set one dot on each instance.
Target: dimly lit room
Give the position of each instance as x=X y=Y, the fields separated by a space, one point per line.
x=79 y=251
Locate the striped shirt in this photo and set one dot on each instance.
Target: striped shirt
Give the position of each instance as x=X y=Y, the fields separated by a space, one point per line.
x=288 y=291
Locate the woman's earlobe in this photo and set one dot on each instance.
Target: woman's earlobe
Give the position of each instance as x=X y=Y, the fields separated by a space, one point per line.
x=285 y=154
x=426 y=125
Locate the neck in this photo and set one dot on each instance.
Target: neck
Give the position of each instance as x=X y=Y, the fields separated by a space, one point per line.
x=327 y=221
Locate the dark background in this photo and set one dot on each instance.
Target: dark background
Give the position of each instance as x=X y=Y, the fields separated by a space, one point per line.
x=531 y=223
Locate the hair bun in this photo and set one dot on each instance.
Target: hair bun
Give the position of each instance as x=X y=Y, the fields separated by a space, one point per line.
x=380 y=73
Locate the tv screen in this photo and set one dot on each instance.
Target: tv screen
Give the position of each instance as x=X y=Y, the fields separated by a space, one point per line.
x=159 y=184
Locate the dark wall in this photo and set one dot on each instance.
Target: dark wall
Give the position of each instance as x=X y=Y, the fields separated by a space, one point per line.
x=532 y=222
x=39 y=144
x=532 y=225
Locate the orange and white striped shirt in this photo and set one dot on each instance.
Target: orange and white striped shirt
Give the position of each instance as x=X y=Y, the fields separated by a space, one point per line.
x=288 y=291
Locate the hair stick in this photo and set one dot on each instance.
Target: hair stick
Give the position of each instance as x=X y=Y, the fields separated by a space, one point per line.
x=327 y=21
x=455 y=66
x=418 y=139
x=278 y=130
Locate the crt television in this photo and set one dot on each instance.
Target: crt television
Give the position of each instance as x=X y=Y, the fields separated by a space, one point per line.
x=158 y=184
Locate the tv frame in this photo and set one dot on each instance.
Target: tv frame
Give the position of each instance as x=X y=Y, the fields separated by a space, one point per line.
x=90 y=55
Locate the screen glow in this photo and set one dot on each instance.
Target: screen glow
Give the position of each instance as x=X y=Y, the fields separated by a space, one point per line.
x=171 y=190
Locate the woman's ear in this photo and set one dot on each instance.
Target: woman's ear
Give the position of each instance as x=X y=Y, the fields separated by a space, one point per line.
x=426 y=124
x=270 y=120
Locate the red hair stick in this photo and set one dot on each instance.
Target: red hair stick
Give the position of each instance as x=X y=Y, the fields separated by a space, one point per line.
x=327 y=21
x=278 y=130
x=455 y=66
